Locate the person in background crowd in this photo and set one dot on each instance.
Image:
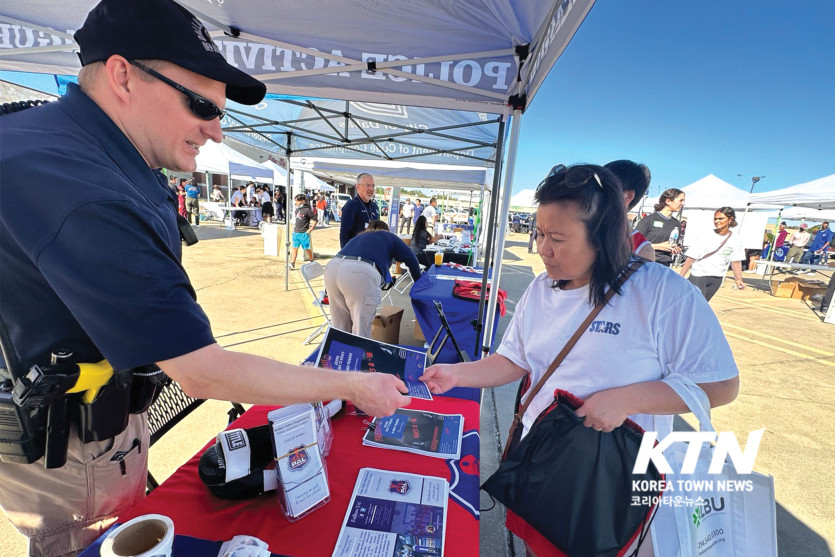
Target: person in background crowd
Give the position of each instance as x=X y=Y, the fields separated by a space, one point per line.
x=250 y=191
x=417 y=211
x=406 y=212
x=781 y=235
x=181 y=198
x=797 y=244
x=818 y=247
x=172 y=183
x=111 y=286
x=358 y=213
x=267 y=211
x=661 y=228
x=580 y=211
x=354 y=277
x=421 y=237
x=280 y=202
x=708 y=257
x=329 y=209
x=239 y=200
x=532 y=233
x=431 y=214
x=193 y=202
x=217 y=194
x=321 y=205
x=634 y=179
x=303 y=228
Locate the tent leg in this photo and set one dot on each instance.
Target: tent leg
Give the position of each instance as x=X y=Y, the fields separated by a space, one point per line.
x=489 y=240
x=501 y=227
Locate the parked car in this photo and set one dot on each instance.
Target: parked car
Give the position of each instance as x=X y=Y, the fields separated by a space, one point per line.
x=384 y=207
x=341 y=199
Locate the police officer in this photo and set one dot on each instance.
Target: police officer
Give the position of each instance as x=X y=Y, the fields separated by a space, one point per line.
x=358 y=213
x=97 y=269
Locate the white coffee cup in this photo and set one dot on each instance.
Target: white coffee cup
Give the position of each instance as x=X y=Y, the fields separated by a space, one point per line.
x=149 y=535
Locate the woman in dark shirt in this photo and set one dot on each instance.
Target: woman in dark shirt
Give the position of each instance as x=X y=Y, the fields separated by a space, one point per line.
x=354 y=276
x=420 y=239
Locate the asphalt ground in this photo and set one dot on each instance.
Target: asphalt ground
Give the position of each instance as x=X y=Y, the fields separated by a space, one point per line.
x=785 y=353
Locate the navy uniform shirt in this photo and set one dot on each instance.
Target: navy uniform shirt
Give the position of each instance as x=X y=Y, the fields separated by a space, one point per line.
x=355 y=216
x=89 y=243
x=381 y=246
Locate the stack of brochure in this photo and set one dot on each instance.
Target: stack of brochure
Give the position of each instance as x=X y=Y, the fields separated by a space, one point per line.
x=300 y=468
x=419 y=432
x=394 y=513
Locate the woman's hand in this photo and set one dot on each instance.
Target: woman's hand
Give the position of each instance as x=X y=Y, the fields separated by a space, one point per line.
x=439 y=378
x=604 y=410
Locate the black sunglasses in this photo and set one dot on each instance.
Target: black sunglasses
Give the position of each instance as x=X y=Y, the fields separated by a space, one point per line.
x=571 y=178
x=202 y=107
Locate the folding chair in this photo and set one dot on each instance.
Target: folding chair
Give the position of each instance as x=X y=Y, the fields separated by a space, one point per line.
x=435 y=346
x=170 y=408
x=406 y=279
x=311 y=271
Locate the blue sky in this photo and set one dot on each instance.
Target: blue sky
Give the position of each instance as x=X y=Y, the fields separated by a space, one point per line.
x=720 y=87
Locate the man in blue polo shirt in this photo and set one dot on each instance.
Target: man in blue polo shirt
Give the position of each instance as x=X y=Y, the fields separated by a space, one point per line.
x=818 y=247
x=360 y=211
x=97 y=269
x=193 y=202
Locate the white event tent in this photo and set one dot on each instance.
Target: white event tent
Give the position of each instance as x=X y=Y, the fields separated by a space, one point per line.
x=702 y=199
x=817 y=194
x=483 y=56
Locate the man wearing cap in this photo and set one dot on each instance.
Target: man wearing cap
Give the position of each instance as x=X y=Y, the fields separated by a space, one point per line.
x=818 y=247
x=797 y=243
x=97 y=270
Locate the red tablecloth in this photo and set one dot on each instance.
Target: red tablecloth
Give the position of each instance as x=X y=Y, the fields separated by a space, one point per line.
x=198 y=513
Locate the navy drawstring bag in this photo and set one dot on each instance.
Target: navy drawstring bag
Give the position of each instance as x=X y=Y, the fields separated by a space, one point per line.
x=568 y=488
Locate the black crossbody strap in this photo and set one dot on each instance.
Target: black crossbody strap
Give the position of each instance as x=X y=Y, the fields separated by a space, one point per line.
x=517 y=418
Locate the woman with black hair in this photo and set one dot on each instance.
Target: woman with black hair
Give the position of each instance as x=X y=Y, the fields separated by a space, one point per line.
x=708 y=257
x=661 y=228
x=621 y=361
x=421 y=237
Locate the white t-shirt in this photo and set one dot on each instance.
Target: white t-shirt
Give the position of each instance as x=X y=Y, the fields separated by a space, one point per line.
x=660 y=324
x=264 y=197
x=407 y=210
x=715 y=265
x=429 y=213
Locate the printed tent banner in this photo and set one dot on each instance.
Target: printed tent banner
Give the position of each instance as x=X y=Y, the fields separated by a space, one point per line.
x=342 y=129
x=476 y=55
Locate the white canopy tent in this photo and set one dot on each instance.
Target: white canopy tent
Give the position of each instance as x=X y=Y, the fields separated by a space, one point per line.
x=524 y=200
x=308 y=181
x=404 y=174
x=817 y=194
x=219 y=158
x=475 y=55
x=711 y=193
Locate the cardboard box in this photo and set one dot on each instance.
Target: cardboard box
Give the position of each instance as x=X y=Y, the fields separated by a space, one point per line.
x=797 y=288
x=386 y=325
x=418 y=334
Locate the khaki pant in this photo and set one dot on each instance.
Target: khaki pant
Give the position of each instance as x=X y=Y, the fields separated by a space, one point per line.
x=794 y=254
x=353 y=294
x=64 y=510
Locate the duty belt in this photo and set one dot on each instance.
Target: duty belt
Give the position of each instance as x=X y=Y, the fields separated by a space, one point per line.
x=364 y=260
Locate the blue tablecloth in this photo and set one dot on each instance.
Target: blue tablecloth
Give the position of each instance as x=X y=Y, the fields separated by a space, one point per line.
x=436 y=284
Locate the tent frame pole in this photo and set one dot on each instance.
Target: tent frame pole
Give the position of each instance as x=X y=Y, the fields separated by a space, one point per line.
x=288 y=200
x=515 y=127
x=491 y=217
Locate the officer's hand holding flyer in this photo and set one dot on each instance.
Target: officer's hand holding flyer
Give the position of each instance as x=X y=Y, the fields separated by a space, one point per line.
x=346 y=352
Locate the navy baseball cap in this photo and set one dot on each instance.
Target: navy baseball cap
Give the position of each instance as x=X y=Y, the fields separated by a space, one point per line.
x=161 y=30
